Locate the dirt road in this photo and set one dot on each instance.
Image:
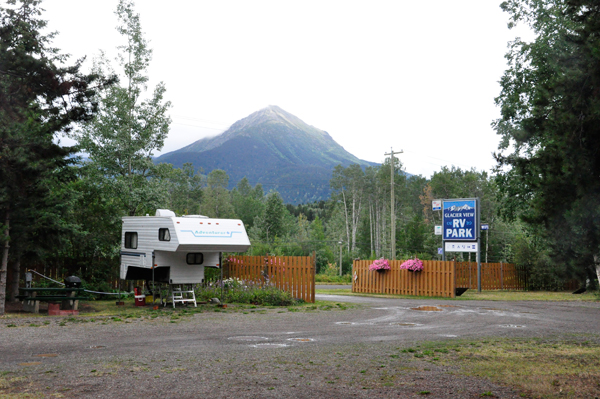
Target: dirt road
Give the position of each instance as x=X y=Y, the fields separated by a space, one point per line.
x=321 y=353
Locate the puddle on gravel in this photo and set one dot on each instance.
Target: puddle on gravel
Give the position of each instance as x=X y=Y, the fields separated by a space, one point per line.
x=97 y=347
x=30 y=364
x=269 y=345
x=448 y=335
x=494 y=309
x=353 y=324
x=448 y=306
x=249 y=338
x=511 y=326
x=301 y=339
x=428 y=309
x=46 y=355
x=405 y=324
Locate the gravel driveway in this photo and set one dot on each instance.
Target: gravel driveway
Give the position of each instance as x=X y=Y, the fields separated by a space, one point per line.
x=322 y=353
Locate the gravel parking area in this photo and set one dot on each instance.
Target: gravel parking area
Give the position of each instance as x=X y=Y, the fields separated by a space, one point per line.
x=320 y=353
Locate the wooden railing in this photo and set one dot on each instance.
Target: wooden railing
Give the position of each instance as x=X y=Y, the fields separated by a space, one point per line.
x=436 y=279
x=294 y=274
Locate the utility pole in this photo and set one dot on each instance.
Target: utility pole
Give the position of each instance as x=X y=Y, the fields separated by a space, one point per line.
x=392 y=170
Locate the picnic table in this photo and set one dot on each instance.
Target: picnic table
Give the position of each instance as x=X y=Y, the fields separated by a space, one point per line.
x=32 y=297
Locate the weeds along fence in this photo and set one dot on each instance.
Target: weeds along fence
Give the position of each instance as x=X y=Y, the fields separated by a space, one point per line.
x=494 y=276
x=436 y=279
x=294 y=274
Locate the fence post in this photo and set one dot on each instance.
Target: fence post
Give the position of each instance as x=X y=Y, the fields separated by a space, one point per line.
x=453 y=288
x=501 y=276
x=470 y=280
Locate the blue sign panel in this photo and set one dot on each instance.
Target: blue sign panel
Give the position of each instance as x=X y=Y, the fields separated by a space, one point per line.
x=460 y=220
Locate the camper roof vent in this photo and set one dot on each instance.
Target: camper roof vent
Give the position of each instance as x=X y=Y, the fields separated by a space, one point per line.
x=195 y=216
x=165 y=213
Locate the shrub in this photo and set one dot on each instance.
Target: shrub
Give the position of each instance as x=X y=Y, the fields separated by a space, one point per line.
x=331 y=270
x=238 y=291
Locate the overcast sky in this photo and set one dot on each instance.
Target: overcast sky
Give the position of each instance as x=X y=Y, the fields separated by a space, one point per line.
x=374 y=74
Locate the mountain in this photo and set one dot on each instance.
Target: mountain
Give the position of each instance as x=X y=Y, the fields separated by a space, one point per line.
x=274 y=148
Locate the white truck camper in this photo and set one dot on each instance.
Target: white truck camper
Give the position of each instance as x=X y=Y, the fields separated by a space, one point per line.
x=175 y=250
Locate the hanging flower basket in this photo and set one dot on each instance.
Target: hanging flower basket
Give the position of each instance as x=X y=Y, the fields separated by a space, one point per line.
x=412 y=265
x=380 y=265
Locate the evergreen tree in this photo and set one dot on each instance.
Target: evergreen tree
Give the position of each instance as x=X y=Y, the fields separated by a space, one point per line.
x=271 y=224
x=248 y=203
x=216 y=202
x=38 y=99
x=550 y=128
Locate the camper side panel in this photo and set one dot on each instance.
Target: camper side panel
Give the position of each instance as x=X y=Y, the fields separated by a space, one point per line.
x=182 y=272
x=140 y=237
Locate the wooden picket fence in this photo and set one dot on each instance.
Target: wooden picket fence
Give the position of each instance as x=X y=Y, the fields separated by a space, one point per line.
x=436 y=279
x=294 y=274
x=494 y=276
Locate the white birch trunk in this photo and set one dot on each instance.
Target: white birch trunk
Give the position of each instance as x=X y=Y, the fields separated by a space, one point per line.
x=597 y=265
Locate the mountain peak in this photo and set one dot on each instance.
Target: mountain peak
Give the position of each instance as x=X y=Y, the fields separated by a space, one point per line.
x=271 y=146
x=273 y=114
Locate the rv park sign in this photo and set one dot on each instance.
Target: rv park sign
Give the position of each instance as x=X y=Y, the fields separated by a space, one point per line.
x=460 y=228
x=459 y=220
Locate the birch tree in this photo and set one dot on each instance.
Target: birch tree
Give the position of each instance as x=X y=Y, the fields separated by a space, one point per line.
x=349 y=184
x=130 y=126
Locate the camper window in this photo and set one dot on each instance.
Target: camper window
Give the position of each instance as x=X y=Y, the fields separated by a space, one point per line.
x=195 y=259
x=131 y=240
x=164 y=235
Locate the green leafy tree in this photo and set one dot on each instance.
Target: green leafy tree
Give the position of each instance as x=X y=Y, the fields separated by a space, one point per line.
x=349 y=184
x=129 y=128
x=317 y=236
x=38 y=98
x=216 y=202
x=184 y=186
x=550 y=128
x=248 y=202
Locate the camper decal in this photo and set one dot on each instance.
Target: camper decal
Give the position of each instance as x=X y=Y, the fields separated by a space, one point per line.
x=211 y=233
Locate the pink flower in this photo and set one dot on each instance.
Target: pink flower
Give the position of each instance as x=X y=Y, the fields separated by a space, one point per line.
x=414 y=265
x=380 y=264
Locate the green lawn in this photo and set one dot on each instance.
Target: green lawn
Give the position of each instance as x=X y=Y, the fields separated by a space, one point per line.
x=487 y=295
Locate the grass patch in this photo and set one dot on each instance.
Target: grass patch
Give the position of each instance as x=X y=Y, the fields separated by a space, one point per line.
x=472 y=295
x=528 y=296
x=547 y=368
x=333 y=279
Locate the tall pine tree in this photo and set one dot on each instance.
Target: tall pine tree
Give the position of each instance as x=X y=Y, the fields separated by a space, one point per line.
x=38 y=98
x=550 y=128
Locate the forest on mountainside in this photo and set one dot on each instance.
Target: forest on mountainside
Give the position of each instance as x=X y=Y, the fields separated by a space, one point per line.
x=62 y=212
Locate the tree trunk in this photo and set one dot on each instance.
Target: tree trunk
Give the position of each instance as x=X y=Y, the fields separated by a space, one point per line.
x=371 y=227
x=13 y=284
x=4 y=266
x=597 y=264
x=347 y=222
